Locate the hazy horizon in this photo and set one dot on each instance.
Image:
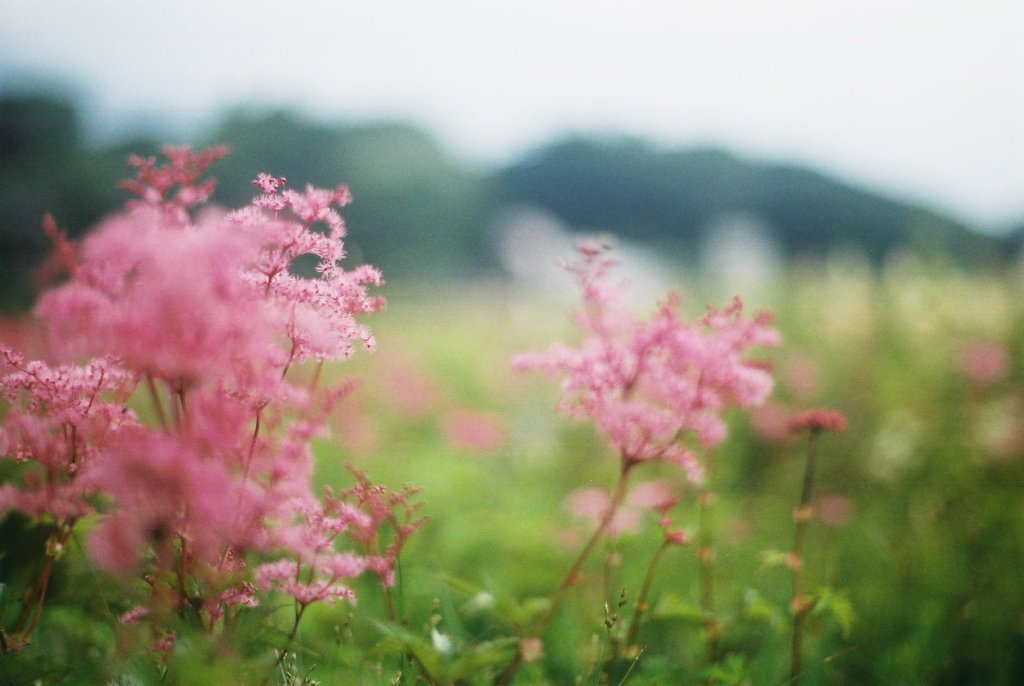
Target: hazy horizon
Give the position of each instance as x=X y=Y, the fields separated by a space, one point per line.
x=918 y=100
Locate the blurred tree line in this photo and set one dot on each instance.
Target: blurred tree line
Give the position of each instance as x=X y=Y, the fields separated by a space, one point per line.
x=420 y=213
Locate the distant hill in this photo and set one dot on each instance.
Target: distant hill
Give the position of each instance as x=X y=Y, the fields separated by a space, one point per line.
x=416 y=210
x=420 y=213
x=671 y=198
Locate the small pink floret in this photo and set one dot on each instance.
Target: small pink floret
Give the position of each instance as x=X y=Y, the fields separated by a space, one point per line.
x=474 y=431
x=984 y=362
x=818 y=420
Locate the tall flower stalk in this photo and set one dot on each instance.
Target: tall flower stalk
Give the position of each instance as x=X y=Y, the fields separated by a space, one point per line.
x=711 y=628
x=814 y=422
x=653 y=388
x=202 y=309
x=671 y=537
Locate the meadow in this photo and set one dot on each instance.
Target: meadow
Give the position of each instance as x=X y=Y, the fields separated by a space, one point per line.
x=912 y=534
x=919 y=530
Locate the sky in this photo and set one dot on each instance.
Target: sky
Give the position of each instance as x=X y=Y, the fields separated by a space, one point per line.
x=921 y=99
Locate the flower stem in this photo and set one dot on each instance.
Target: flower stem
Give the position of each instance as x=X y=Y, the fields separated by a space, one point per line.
x=35 y=595
x=706 y=565
x=300 y=609
x=572 y=576
x=252 y=445
x=641 y=600
x=801 y=516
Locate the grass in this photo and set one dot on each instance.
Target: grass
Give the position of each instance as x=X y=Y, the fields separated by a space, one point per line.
x=916 y=565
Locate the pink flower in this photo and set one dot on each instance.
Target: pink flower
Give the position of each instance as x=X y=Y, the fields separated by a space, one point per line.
x=59 y=422
x=673 y=536
x=154 y=183
x=267 y=183
x=474 y=431
x=184 y=300
x=166 y=491
x=834 y=509
x=133 y=615
x=648 y=384
x=321 y=584
x=652 y=495
x=238 y=596
x=771 y=421
x=164 y=644
x=410 y=389
x=984 y=362
x=593 y=504
x=164 y=298
x=818 y=420
x=203 y=308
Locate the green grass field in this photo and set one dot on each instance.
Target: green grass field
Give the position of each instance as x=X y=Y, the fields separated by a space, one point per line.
x=915 y=553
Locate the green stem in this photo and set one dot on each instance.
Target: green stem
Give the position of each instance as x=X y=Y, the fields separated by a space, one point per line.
x=641 y=600
x=802 y=515
x=572 y=575
x=299 y=610
x=706 y=567
x=35 y=595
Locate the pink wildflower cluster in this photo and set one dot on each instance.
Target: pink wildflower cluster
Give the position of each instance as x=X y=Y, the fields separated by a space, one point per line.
x=199 y=310
x=361 y=512
x=650 y=384
x=59 y=422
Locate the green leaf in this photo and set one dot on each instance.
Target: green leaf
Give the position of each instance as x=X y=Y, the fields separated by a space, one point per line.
x=757 y=608
x=398 y=640
x=733 y=672
x=838 y=605
x=671 y=606
x=496 y=653
x=444 y=668
x=481 y=600
x=772 y=558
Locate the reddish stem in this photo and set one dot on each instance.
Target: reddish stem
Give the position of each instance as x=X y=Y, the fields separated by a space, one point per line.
x=572 y=575
x=641 y=600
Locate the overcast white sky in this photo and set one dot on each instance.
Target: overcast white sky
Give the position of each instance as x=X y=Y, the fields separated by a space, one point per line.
x=920 y=98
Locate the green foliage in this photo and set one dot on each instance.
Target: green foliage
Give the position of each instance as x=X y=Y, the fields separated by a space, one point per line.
x=837 y=605
x=444 y=661
x=671 y=606
x=730 y=672
x=912 y=561
x=912 y=570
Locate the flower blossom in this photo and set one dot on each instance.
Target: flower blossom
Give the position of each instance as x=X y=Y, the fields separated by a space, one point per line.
x=648 y=385
x=984 y=362
x=474 y=431
x=593 y=504
x=204 y=312
x=164 y=297
x=818 y=420
x=59 y=422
